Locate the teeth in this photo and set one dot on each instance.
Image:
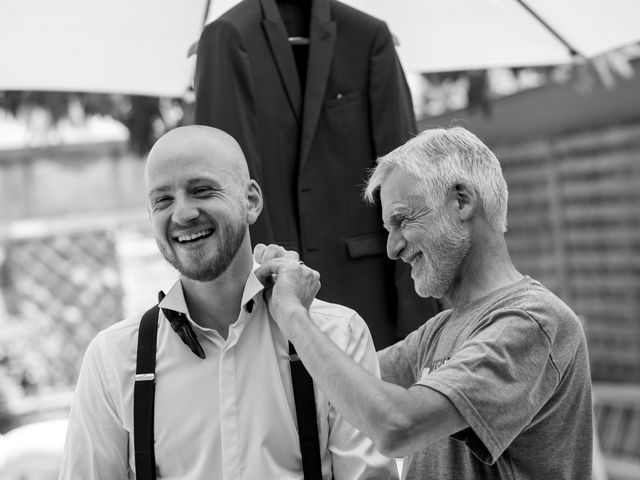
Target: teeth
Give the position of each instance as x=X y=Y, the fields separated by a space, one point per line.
x=195 y=236
x=410 y=260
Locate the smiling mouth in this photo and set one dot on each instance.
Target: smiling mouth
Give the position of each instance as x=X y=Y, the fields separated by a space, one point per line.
x=194 y=237
x=412 y=259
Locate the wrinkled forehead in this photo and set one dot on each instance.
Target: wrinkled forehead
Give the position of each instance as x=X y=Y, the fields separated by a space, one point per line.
x=399 y=188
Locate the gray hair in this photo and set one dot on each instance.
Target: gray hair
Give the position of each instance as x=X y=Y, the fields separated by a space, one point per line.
x=441 y=158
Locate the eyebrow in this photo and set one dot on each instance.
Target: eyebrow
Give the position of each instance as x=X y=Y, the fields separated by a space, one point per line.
x=202 y=179
x=190 y=183
x=157 y=190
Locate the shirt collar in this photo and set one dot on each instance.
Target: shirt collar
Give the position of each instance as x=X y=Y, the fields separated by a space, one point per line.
x=174 y=300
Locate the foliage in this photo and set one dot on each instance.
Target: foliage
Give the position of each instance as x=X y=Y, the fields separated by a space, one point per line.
x=21 y=355
x=145 y=117
x=475 y=90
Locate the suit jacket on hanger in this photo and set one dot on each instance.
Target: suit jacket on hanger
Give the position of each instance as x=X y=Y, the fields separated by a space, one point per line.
x=310 y=147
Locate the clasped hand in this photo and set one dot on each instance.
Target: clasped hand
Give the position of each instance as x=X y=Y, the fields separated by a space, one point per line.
x=290 y=286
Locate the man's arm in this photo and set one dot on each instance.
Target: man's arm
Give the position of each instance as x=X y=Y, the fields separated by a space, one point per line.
x=97 y=444
x=353 y=454
x=398 y=420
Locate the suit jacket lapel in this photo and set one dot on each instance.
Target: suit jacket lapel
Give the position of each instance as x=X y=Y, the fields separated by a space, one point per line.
x=321 y=44
x=282 y=53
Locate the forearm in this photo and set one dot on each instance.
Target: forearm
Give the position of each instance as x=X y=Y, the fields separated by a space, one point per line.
x=398 y=420
x=386 y=413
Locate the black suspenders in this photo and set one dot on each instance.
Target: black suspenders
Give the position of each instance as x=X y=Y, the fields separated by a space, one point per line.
x=144 y=395
x=306 y=415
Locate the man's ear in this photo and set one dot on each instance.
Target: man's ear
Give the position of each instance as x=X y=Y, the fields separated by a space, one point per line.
x=466 y=200
x=254 y=201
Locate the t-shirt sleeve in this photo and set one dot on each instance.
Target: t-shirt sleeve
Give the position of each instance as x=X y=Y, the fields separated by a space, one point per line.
x=398 y=361
x=498 y=380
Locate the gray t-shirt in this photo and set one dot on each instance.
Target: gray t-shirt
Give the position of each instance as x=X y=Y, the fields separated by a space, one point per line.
x=515 y=365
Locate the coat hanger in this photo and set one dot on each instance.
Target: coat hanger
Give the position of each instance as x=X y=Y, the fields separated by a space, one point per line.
x=298 y=41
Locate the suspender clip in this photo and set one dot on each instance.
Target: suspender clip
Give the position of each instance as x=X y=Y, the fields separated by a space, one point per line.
x=145 y=377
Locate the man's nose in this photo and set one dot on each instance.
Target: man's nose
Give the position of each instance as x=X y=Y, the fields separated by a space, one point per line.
x=395 y=244
x=184 y=211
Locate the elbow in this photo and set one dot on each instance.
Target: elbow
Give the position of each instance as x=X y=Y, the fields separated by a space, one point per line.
x=388 y=448
x=393 y=437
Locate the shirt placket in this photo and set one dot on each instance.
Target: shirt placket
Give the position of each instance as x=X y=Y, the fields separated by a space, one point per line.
x=229 y=429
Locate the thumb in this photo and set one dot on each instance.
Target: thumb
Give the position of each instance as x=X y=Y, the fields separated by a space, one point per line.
x=264 y=272
x=258 y=252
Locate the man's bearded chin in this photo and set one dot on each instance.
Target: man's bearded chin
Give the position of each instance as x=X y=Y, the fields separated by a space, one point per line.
x=441 y=261
x=205 y=272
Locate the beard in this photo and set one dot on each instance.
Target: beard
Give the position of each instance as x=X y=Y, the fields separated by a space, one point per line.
x=442 y=253
x=201 y=269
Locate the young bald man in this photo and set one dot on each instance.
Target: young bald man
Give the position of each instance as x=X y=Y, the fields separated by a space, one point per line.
x=224 y=406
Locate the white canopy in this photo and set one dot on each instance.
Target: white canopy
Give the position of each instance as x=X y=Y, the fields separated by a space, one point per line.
x=140 y=46
x=116 y=46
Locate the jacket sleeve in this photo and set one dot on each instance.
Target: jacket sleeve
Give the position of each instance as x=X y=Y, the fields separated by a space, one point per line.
x=96 y=447
x=393 y=123
x=225 y=97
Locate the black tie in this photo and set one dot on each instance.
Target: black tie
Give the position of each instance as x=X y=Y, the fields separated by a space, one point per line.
x=182 y=327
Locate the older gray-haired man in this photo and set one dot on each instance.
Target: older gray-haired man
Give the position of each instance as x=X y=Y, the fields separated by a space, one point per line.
x=497 y=386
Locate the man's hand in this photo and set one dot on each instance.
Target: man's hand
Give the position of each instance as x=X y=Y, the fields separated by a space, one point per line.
x=263 y=253
x=290 y=289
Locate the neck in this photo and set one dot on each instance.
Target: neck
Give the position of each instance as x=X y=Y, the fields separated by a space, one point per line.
x=216 y=304
x=486 y=268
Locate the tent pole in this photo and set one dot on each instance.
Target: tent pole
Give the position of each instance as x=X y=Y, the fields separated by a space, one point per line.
x=572 y=51
x=207 y=9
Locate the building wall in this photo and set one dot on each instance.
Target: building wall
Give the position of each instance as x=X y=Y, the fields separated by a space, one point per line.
x=72 y=220
x=574 y=224
x=572 y=162
x=69 y=179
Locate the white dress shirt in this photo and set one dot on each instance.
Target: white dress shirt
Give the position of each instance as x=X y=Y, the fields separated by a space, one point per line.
x=230 y=416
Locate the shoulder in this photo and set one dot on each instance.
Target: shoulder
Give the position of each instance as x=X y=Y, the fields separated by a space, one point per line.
x=241 y=16
x=116 y=341
x=342 y=12
x=551 y=314
x=331 y=315
x=532 y=311
x=342 y=324
x=355 y=23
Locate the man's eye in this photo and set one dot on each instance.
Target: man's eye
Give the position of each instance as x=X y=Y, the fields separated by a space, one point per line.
x=201 y=190
x=161 y=201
